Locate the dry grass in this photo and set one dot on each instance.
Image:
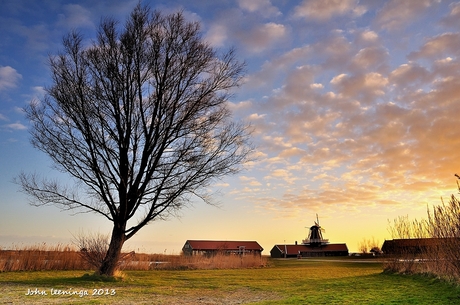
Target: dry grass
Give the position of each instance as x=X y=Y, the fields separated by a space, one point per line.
x=43 y=257
x=441 y=257
x=183 y=262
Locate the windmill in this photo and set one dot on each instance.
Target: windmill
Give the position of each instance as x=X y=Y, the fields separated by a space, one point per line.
x=315 y=236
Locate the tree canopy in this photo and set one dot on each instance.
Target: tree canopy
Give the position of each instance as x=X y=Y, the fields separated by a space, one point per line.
x=140 y=120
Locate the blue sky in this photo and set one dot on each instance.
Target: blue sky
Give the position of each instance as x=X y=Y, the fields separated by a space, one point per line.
x=354 y=106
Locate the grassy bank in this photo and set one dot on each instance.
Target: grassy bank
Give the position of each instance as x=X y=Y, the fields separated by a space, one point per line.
x=283 y=282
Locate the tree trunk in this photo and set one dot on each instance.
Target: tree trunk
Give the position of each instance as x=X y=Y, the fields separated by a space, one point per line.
x=110 y=263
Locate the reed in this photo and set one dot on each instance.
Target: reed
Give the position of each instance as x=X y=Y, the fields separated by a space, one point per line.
x=43 y=257
x=183 y=262
x=435 y=243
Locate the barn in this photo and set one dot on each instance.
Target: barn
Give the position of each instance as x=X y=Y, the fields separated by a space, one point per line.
x=212 y=247
x=416 y=246
x=303 y=250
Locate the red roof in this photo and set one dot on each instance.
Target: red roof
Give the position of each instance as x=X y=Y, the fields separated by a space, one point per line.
x=295 y=249
x=208 y=245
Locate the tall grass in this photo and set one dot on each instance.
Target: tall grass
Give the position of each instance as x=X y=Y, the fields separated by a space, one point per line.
x=41 y=257
x=184 y=262
x=435 y=243
x=62 y=257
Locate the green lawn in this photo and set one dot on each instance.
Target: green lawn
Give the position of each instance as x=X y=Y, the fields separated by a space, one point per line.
x=284 y=282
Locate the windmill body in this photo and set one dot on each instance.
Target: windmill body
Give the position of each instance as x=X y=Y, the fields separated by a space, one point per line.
x=315 y=236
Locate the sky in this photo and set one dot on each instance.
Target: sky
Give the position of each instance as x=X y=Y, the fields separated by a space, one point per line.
x=354 y=106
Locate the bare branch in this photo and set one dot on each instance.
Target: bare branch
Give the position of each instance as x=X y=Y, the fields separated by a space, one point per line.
x=139 y=120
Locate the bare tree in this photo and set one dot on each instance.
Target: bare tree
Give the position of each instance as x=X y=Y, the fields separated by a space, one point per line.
x=92 y=247
x=139 y=119
x=369 y=245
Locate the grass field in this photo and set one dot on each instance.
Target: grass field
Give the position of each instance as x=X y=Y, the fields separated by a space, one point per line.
x=283 y=282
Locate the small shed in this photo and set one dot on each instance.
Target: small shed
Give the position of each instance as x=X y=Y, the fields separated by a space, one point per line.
x=212 y=247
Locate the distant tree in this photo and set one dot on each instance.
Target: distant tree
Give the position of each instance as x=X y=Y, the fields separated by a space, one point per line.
x=375 y=250
x=369 y=245
x=139 y=119
x=362 y=246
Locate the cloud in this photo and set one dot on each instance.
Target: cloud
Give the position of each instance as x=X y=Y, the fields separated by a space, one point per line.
x=75 y=16
x=9 y=78
x=349 y=126
x=216 y=35
x=370 y=58
x=334 y=51
x=438 y=46
x=38 y=36
x=250 y=181
x=263 y=36
x=256 y=116
x=281 y=174
x=369 y=36
x=263 y=7
x=365 y=87
x=277 y=66
x=292 y=152
x=409 y=75
x=396 y=14
x=453 y=19
x=16 y=126
x=324 y=10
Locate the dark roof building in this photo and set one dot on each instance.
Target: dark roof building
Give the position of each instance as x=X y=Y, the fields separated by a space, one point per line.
x=302 y=250
x=416 y=246
x=210 y=247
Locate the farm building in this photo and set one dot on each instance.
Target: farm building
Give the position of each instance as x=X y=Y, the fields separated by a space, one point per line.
x=313 y=246
x=302 y=250
x=211 y=247
x=416 y=246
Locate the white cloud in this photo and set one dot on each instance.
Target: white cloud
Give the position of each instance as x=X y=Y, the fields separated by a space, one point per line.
x=316 y=86
x=16 y=126
x=256 y=116
x=9 y=78
x=369 y=36
x=39 y=91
